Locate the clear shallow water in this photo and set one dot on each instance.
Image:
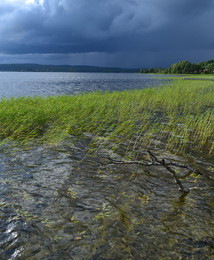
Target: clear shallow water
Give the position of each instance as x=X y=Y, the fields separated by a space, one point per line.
x=16 y=84
x=58 y=203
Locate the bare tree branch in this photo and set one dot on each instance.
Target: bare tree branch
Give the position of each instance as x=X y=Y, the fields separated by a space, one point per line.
x=155 y=162
x=173 y=173
x=113 y=161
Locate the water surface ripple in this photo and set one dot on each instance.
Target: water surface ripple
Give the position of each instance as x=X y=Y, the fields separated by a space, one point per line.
x=58 y=203
x=19 y=84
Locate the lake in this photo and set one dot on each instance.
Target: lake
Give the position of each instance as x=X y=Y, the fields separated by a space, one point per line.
x=61 y=201
x=17 y=84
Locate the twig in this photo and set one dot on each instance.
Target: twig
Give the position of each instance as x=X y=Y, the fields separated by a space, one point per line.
x=113 y=161
x=179 y=165
x=155 y=162
x=173 y=173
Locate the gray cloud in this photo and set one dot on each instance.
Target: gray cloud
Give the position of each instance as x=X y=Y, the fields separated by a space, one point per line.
x=137 y=29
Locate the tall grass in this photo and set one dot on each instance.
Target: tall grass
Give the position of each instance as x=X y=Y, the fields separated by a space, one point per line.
x=180 y=115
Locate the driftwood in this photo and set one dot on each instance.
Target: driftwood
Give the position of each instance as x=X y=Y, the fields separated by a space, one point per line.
x=173 y=173
x=161 y=162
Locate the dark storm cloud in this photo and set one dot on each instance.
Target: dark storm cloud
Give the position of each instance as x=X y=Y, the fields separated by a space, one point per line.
x=107 y=26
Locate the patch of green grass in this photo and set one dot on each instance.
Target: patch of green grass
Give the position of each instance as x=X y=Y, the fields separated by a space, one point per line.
x=181 y=115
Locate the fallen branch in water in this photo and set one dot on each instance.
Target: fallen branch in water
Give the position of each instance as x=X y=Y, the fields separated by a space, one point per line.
x=155 y=162
x=173 y=173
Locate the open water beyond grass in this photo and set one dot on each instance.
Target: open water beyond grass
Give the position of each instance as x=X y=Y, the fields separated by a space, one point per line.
x=22 y=84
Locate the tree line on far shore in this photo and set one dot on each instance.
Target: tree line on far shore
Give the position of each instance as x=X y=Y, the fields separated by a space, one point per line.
x=184 y=67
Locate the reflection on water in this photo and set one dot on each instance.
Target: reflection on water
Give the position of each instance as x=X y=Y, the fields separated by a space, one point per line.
x=19 y=84
x=57 y=203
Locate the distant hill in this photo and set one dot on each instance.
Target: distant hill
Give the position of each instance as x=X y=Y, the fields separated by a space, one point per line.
x=60 y=68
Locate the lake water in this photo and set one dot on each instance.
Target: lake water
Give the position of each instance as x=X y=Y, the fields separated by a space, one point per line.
x=16 y=84
x=59 y=202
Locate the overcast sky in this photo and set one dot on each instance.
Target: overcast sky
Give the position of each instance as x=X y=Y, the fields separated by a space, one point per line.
x=121 y=33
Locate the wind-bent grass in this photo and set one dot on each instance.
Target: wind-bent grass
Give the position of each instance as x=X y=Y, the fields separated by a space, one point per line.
x=181 y=115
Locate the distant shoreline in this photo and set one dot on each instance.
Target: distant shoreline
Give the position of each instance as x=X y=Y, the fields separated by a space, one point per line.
x=62 y=68
x=198 y=79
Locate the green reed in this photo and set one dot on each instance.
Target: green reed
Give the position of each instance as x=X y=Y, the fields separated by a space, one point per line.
x=179 y=115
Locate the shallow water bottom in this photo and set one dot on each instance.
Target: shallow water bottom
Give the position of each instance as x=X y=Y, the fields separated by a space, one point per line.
x=60 y=203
